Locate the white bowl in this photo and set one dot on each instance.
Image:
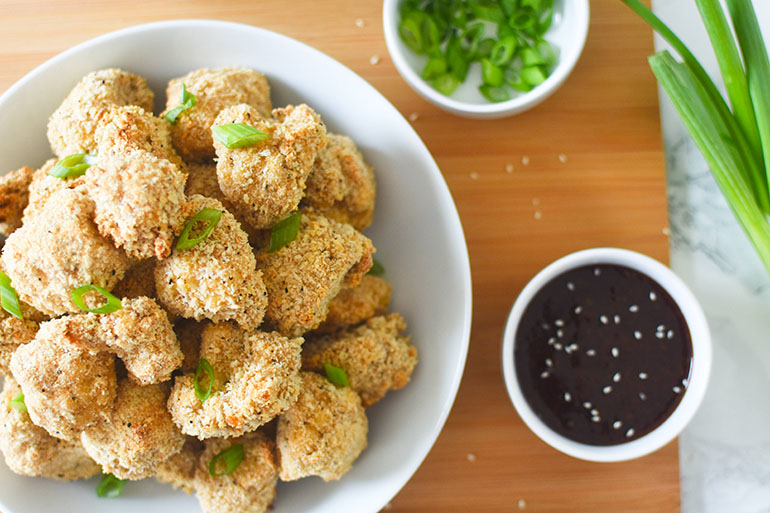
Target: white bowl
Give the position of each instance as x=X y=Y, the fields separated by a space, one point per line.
x=568 y=33
x=700 y=369
x=416 y=230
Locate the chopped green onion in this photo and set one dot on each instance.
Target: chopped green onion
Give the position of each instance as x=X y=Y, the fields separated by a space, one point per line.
x=18 y=403
x=237 y=135
x=471 y=39
x=487 y=10
x=533 y=75
x=512 y=75
x=203 y=367
x=9 y=299
x=546 y=51
x=431 y=34
x=532 y=57
x=445 y=84
x=457 y=61
x=411 y=34
x=377 y=269
x=435 y=67
x=210 y=216
x=336 y=375
x=491 y=74
x=503 y=50
x=494 y=93
x=284 y=231
x=188 y=101
x=73 y=165
x=113 y=304
x=110 y=487
x=232 y=457
x=484 y=49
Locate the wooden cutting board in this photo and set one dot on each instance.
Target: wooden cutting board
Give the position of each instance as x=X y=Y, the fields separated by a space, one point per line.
x=587 y=170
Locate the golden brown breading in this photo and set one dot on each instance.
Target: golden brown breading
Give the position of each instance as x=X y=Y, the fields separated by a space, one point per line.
x=354 y=305
x=376 y=356
x=43 y=186
x=140 y=202
x=217 y=279
x=266 y=181
x=179 y=469
x=138 y=281
x=30 y=451
x=214 y=90
x=323 y=433
x=13 y=333
x=72 y=126
x=66 y=387
x=342 y=185
x=188 y=332
x=14 y=197
x=303 y=276
x=250 y=488
x=138 y=435
x=59 y=250
x=129 y=128
x=255 y=379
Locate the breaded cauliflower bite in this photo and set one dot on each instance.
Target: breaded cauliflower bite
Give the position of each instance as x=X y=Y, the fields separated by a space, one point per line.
x=138 y=436
x=43 y=186
x=30 y=451
x=214 y=90
x=341 y=185
x=255 y=379
x=303 y=276
x=179 y=469
x=14 y=197
x=376 y=356
x=354 y=305
x=67 y=387
x=250 y=488
x=266 y=181
x=323 y=433
x=72 y=126
x=58 y=251
x=217 y=279
x=13 y=333
x=140 y=202
x=129 y=128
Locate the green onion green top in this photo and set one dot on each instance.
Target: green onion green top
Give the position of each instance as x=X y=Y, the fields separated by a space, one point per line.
x=188 y=101
x=18 y=403
x=110 y=487
x=377 y=269
x=73 y=165
x=232 y=457
x=336 y=375
x=284 y=231
x=113 y=303
x=204 y=367
x=9 y=300
x=237 y=135
x=209 y=216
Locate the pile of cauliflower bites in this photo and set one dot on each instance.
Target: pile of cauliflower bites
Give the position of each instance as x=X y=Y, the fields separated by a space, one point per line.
x=214 y=368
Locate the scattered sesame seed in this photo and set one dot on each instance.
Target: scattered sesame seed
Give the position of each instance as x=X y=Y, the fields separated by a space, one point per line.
x=559 y=333
x=360 y=23
x=551 y=341
x=558 y=346
x=660 y=327
x=474 y=175
x=522 y=504
x=578 y=310
x=642 y=396
x=587 y=405
x=595 y=418
x=413 y=117
x=616 y=377
x=607 y=389
x=670 y=334
x=659 y=334
x=642 y=375
x=562 y=158
x=570 y=285
x=597 y=271
x=544 y=374
x=603 y=319
x=616 y=318
x=471 y=457
x=676 y=389
x=525 y=160
x=591 y=352
x=630 y=433
x=375 y=59
x=617 y=424
x=653 y=296
x=594 y=412
x=685 y=382
x=633 y=308
x=574 y=346
x=666 y=231
x=538 y=214
x=567 y=397
x=535 y=202
x=559 y=322
x=545 y=326
x=548 y=362
x=509 y=168
x=638 y=335
x=615 y=352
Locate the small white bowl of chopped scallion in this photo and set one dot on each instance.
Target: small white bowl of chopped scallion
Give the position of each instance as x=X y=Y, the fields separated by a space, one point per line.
x=485 y=58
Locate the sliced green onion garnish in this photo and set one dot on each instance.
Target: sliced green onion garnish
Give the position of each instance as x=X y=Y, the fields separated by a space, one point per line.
x=232 y=457
x=9 y=300
x=457 y=62
x=73 y=165
x=18 y=403
x=203 y=367
x=494 y=93
x=284 y=231
x=209 y=216
x=435 y=67
x=532 y=57
x=503 y=50
x=445 y=84
x=336 y=375
x=485 y=48
x=487 y=10
x=410 y=33
x=237 y=135
x=377 y=269
x=110 y=487
x=491 y=74
x=533 y=75
x=546 y=51
x=113 y=303
x=187 y=100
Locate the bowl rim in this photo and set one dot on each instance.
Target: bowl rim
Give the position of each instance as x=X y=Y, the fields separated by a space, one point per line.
x=567 y=61
x=700 y=369
x=444 y=193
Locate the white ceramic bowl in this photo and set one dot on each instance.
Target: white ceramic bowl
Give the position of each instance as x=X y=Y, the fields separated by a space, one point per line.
x=568 y=33
x=416 y=230
x=700 y=370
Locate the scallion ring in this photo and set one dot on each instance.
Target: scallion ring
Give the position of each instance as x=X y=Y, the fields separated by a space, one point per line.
x=110 y=487
x=284 y=231
x=237 y=135
x=494 y=93
x=336 y=375
x=210 y=216
x=187 y=100
x=113 y=303
x=203 y=367
x=9 y=299
x=73 y=165
x=18 y=403
x=232 y=457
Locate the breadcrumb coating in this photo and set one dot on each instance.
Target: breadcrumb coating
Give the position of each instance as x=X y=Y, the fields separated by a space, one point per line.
x=140 y=202
x=354 y=305
x=14 y=197
x=138 y=281
x=130 y=128
x=266 y=181
x=323 y=433
x=217 y=279
x=303 y=276
x=214 y=90
x=13 y=333
x=67 y=388
x=250 y=488
x=59 y=250
x=72 y=126
x=30 y=451
x=255 y=379
x=376 y=356
x=43 y=186
x=342 y=185
x=137 y=436
x=179 y=469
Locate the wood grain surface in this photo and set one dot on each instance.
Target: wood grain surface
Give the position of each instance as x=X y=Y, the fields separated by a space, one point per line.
x=588 y=170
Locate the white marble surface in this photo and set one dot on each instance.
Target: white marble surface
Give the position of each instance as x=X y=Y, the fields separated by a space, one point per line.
x=725 y=451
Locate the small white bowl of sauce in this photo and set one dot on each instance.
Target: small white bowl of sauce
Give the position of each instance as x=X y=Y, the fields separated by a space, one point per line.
x=606 y=355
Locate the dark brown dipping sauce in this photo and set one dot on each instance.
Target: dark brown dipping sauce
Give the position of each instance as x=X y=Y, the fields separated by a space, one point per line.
x=603 y=354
